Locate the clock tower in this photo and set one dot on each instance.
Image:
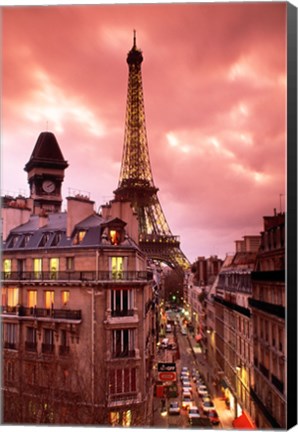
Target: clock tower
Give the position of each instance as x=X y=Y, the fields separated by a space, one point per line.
x=45 y=170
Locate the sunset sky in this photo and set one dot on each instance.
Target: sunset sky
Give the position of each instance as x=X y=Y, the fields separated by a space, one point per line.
x=214 y=80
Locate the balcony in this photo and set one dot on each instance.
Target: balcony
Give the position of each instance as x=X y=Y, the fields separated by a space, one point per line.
x=76 y=276
x=66 y=314
x=277 y=383
x=269 y=308
x=122 y=313
x=124 y=354
x=47 y=348
x=31 y=346
x=63 y=350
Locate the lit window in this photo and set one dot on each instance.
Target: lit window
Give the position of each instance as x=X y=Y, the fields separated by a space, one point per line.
x=32 y=298
x=49 y=299
x=12 y=297
x=37 y=267
x=65 y=297
x=79 y=236
x=7 y=268
x=117 y=267
x=54 y=267
x=114 y=237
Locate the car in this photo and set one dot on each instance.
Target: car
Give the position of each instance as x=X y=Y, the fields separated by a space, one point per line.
x=172 y=346
x=202 y=390
x=207 y=405
x=185 y=381
x=193 y=412
x=187 y=389
x=213 y=417
x=185 y=369
x=187 y=400
x=174 y=408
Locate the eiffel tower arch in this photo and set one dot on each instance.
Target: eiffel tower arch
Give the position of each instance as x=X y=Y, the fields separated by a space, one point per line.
x=136 y=181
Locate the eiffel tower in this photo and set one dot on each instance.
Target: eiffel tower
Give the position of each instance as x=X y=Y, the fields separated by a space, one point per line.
x=136 y=181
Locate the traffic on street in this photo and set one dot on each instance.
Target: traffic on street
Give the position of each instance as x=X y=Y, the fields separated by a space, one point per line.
x=182 y=397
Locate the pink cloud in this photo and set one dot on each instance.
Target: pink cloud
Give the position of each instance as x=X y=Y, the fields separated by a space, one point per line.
x=214 y=88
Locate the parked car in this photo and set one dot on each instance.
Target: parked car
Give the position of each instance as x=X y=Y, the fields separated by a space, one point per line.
x=202 y=390
x=187 y=400
x=207 y=405
x=164 y=343
x=174 y=408
x=213 y=417
x=193 y=412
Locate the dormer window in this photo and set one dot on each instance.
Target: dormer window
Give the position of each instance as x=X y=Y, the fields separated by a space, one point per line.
x=44 y=240
x=13 y=241
x=79 y=236
x=115 y=237
x=56 y=239
x=25 y=240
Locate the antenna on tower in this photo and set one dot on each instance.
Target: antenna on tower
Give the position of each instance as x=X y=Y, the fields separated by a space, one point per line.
x=134 y=39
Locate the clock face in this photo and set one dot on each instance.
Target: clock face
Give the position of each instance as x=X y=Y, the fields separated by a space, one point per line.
x=48 y=186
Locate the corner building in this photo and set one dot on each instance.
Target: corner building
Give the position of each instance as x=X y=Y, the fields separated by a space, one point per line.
x=77 y=313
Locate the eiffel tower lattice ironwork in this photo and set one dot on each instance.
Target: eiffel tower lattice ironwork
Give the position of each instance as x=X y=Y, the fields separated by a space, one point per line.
x=136 y=181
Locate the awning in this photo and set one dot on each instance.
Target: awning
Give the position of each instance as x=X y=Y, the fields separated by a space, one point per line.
x=243 y=422
x=198 y=337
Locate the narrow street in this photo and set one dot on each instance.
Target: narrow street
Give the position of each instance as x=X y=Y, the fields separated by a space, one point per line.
x=191 y=360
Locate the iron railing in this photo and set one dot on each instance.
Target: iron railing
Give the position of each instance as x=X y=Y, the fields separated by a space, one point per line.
x=82 y=276
x=35 y=312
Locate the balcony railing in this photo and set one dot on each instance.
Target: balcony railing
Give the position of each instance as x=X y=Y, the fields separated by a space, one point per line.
x=30 y=346
x=264 y=370
x=122 y=313
x=277 y=383
x=63 y=349
x=10 y=345
x=47 y=348
x=271 y=308
x=81 y=276
x=35 y=312
x=124 y=354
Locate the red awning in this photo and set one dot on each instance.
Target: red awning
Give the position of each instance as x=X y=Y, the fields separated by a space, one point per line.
x=198 y=337
x=243 y=422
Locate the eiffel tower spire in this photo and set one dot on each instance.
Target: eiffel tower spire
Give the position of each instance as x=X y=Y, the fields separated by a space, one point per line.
x=136 y=181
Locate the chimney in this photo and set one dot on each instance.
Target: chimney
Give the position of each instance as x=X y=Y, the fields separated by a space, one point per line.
x=78 y=208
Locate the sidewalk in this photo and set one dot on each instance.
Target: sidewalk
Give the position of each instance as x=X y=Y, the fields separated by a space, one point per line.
x=225 y=415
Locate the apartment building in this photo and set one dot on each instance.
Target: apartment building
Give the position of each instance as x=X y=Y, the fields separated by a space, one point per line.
x=233 y=329
x=78 y=308
x=267 y=302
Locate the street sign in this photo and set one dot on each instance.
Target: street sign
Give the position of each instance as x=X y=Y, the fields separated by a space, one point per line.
x=166 y=367
x=167 y=376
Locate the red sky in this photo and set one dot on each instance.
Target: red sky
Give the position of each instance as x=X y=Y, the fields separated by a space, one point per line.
x=214 y=79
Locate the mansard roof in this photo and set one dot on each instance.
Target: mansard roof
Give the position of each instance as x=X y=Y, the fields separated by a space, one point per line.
x=46 y=153
x=54 y=233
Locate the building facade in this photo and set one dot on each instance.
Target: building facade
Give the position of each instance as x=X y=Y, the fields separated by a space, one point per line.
x=268 y=317
x=233 y=328
x=78 y=319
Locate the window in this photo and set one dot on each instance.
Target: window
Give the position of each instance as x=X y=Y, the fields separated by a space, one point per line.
x=13 y=241
x=123 y=343
x=37 y=267
x=79 y=237
x=122 y=302
x=54 y=267
x=44 y=239
x=117 y=267
x=10 y=335
x=48 y=341
x=63 y=348
x=57 y=238
x=32 y=298
x=65 y=297
x=122 y=381
x=69 y=263
x=115 y=237
x=25 y=240
x=10 y=297
x=7 y=268
x=31 y=342
x=49 y=299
